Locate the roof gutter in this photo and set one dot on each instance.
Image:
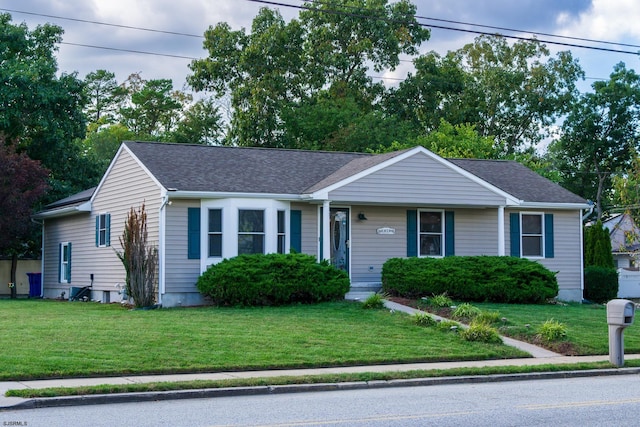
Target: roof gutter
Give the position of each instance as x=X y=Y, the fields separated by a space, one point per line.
x=64 y=211
x=177 y=194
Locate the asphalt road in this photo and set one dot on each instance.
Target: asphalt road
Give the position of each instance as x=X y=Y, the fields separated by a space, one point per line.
x=590 y=401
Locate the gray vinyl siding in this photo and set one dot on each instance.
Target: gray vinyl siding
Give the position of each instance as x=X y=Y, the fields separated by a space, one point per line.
x=181 y=273
x=369 y=249
x=567 y=260
x=422 y=180
x=310 y=236
x=476 y=232
x=127 y=185
x=79 y=230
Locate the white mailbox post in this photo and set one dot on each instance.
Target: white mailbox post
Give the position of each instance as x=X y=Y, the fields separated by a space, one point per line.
x=620 y=314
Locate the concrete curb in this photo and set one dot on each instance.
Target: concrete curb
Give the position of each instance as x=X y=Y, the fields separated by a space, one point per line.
x=301 y=388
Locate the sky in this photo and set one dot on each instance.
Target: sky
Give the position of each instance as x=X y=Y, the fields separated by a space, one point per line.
x=613 y=21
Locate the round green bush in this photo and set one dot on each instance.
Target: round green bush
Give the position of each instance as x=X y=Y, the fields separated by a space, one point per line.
x=470 y=278
x=272 y=279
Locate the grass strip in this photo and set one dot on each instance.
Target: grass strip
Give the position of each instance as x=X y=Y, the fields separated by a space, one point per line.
x=305 y=379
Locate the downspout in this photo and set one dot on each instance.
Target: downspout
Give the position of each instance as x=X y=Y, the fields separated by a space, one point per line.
x=588 y=214
x=501 y=243
x=326 y=230
x=161 y=246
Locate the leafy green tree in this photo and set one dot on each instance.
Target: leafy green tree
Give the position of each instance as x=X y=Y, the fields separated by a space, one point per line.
x=419 y=98
x=154 y=109
x=450 y=141
x=511 y=92
x=201 y=124
x=104 y=95
x=600 y=136
x=41 y=109
x=282 y=68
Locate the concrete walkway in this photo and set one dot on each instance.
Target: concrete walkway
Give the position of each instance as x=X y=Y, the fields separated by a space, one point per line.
x=540 y=357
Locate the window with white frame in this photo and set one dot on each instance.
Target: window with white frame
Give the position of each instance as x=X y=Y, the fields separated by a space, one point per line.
x=281 y=232
x=102 y=230
x=65 y=262
x=215 y=233
x=250 y=231
x=431 y=233
x=532 y=235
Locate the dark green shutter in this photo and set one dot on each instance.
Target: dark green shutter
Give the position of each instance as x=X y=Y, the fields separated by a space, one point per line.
x=514 y=226
x=193 y=233
x=60 y=257
x=295 y=236
x=107 y=237
x=69 y=262
x=97 y=230
x=449 y=234
x=412 y=233
x=548 y=236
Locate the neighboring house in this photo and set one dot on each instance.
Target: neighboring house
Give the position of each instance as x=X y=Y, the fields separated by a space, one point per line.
x=625 y=237
x=207 y=203
x=625 y=246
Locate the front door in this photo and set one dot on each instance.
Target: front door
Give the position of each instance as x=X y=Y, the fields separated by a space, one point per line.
x=340 y=238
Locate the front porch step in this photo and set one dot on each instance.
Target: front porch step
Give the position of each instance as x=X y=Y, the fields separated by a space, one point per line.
x=361 y=291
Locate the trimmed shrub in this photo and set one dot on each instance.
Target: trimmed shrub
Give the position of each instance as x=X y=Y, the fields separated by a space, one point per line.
x=472 y=278
x=600 y=284
x=272 y=279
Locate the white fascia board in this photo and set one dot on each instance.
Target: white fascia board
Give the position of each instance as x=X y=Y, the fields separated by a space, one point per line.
x=177 y=194
x=324 y=193
x=64 y=211
x=558 y=206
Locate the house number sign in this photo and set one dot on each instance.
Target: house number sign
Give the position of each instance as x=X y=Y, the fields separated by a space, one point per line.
x=386 y=230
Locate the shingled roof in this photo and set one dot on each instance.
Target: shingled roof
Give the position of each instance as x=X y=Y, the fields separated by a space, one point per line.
x=518 y=180
x=187 y=167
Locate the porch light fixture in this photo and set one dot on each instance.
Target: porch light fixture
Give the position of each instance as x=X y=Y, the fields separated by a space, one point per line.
x=361 y=217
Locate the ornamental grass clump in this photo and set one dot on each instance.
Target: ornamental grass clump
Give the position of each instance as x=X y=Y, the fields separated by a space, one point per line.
x=140 y=259
x=552 y=330
x=424 y=319
x=375 y=301
x=481 y=332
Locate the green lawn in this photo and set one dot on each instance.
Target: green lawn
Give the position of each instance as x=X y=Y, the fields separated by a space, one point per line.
x=587 y=329
x=52 y=338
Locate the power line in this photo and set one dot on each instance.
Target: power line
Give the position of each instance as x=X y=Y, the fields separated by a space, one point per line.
x=129 y=27
x=356 y=15
x=514 y=30
x=129 y=50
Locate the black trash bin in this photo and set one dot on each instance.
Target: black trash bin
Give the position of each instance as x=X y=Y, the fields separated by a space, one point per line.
x=35 y=285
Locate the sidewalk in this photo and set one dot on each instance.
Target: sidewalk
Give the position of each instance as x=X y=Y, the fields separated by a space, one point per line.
x=540 y=357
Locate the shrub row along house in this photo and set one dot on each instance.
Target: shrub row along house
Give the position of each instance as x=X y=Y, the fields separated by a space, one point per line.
x=207 y=203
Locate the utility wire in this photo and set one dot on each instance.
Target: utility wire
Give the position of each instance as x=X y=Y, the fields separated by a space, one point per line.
x=173 y=33
x=491 y=26
x=486 y=33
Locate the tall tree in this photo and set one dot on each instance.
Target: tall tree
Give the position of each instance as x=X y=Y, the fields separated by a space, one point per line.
x=41 y=110
x=101 y=89
x=512 y=92
x=153 y=110
x=600 y=136
x=282 y=66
